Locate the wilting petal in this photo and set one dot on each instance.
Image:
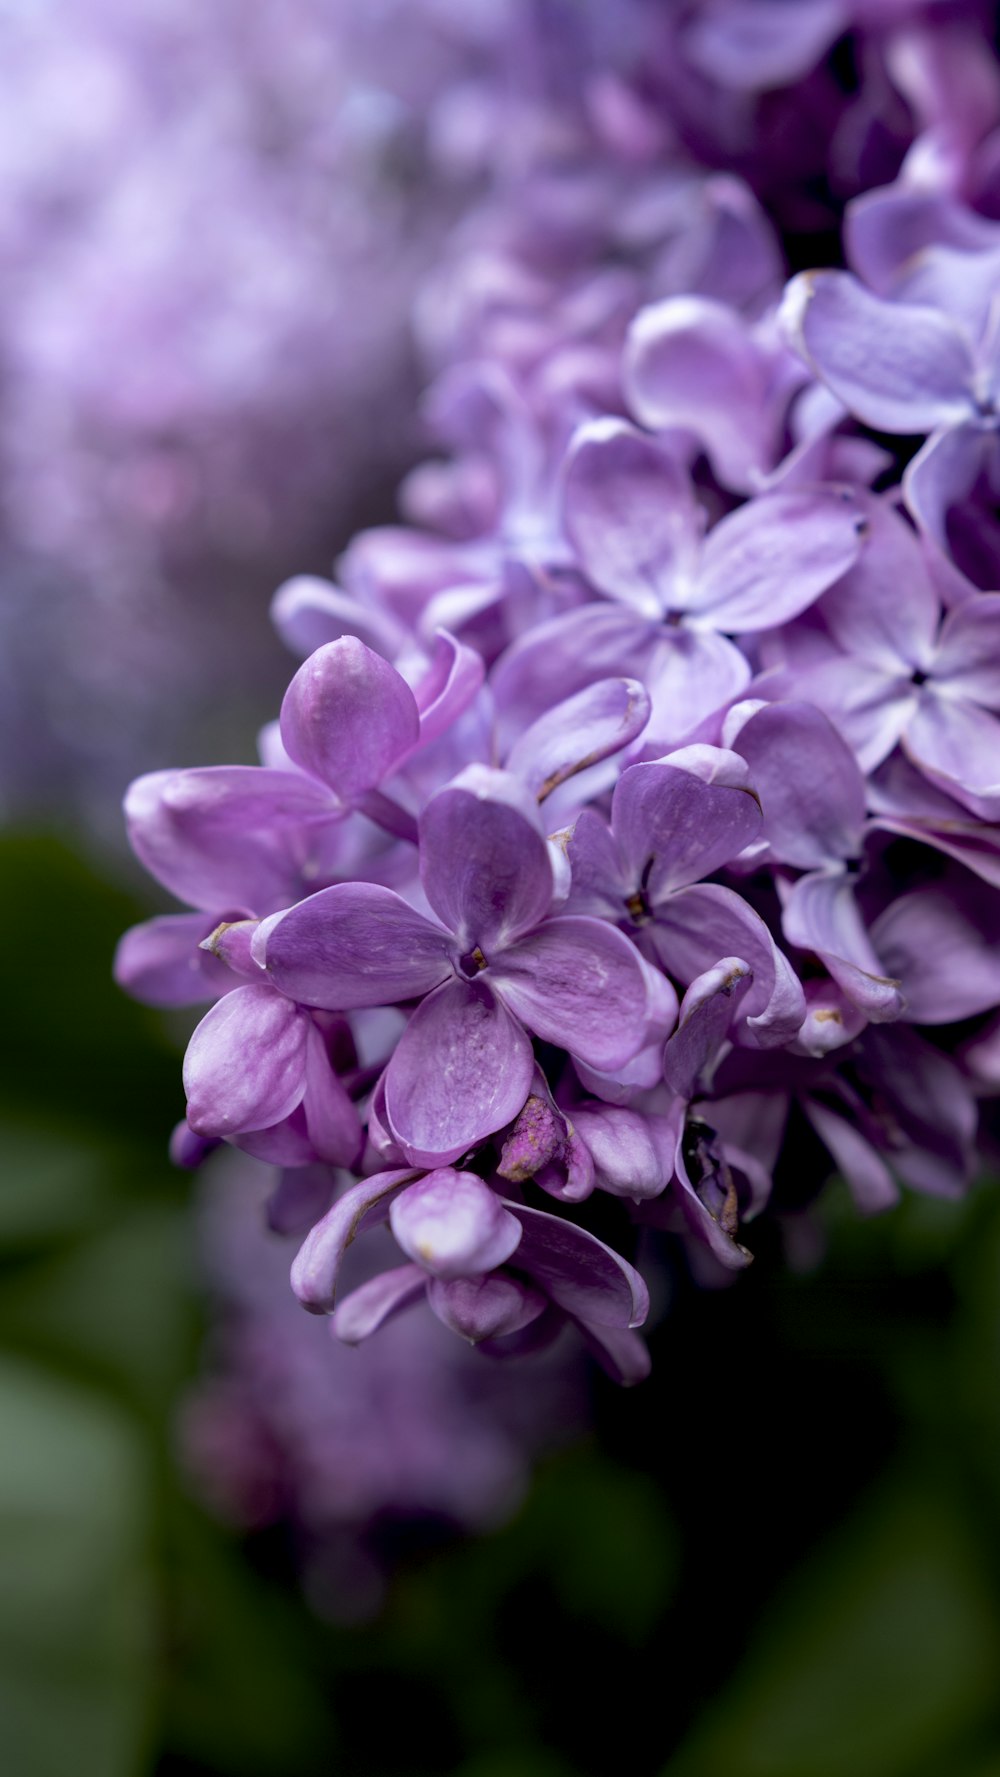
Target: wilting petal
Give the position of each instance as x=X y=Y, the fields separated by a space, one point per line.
x=579 y=983
x=317 y=1263
x=453 y=1225
x=478 y=1308
x=821 y=914
x=773 y=557
x=706 y=1015
x=160 y=961
x=245 y=1066
x=348 y=718
x=579 y=732
x=697 y=925
x=627 y=1162
x=483 y=859
x=354 y=945
x=631 y=515
x=461 y=1070
x=968 y=656
x=941 y=941
x=308 y=612
x=227 y=835
x=373 y=1303
x=581 y=1275
x=703 y=1189
x=694 y=364
x=681 y=819
x=898 y=367
x=811 y=790
x=448 y=687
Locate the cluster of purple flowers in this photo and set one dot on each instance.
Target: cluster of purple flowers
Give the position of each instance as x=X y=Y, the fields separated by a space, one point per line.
x=639 y=793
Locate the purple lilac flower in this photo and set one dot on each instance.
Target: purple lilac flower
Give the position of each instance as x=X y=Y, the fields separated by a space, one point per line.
x=637 y=796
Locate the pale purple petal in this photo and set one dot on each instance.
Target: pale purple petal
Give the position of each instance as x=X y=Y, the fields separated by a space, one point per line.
x=941 y=941
x=461 y=1070
x=968 y=656
x=579 y=983
x=449 y=686
x=897 y=366
x=245 y=1066
x=763 y=46
x=811 y=790
x=772 y=558
x=627 y=1161
x=161 y=962
x=348 y=718
x=600 y=883
x=681 y=820
x=332 y=1122
x=957 y=745
x=885 y=611
x=693 y=364
x=317 y=1263
x=579 y=732
x=483 y=859
x=226 y=835
x=300 y=1197
x=582 y=1276
x=355 y=944
x=690 y=674
x=943 y=474
x=308 y=612
x=453 y=1225
x=869 y=710
x=697 y=925
x=821 y=914
x=478 y=1308
x=631 y=515
x=871 y=1183
x=373 y=1303
x=561 y=656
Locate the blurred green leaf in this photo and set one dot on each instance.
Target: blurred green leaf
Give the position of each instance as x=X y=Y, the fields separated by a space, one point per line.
x=51 y=1186
x=880 y=1655
x=76 y=1599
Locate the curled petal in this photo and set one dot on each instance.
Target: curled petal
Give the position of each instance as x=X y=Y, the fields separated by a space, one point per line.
x=161 y=963
x=581 y=1275
x=373 y=1303
x=453 y=1224
x=821 y=914
x=897 y=366
x=697 y=925
x=870 y=1180
x=620 y=1352
x=446 y=690
x=579 y=732
x=348 y=718
x=627 y=1162
x=300 y=1197
x=333 y=1124
x=245 y=1066
x=706 y=1015
x=308 y=612
x=462 y=1069
x=317 y=1263
x=480 y=1308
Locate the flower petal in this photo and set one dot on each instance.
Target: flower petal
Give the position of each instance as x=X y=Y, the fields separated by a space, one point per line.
x=355 y=944
x=697 y=925
x=483 y=859
x=631 y=515
x=348 y=718
x=317 y=1263
x=581 y=1275
x=579 y=983
x=811 y=790
x=453 y=1225
x=941 y=941
x=461 y=1070
x=161 y=963
x=479 y=1308
x=821 y=914
x=373 y=1303
x=773 y=557
x=706 y=1015
x=579 y=732
x=680 y=819
x=245 y=1066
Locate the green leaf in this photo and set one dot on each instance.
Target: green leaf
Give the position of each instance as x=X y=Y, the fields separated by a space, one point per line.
x=76 y=1597
x=881 y=1655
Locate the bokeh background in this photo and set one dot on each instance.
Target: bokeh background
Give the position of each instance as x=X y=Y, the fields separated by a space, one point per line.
x=780 y=1557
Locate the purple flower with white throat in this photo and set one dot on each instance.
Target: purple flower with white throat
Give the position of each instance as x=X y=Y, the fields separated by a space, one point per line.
x=491 y=966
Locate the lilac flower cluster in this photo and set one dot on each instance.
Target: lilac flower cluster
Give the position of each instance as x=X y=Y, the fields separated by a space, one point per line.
x=640 y=793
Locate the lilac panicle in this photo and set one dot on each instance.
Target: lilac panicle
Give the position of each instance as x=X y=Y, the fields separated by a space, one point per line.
x=638 y=790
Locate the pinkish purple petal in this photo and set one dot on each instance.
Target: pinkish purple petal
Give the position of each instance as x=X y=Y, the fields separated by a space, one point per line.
x=579 y=732
x=373 y=1303
x=706 y=1016
x=821 y=914
x=697 y=925
x=680 y=820
x=161 y=963
x=773 y=557
x=811 y=790
x=942 y=943
x=581 y=1275
x=448 y=687
x=478 y=1308
x=317 y=1263
x=245 y=1066
x=483 y=859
